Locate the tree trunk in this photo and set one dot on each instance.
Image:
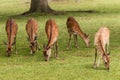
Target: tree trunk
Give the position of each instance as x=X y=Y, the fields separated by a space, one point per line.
x=40 y=6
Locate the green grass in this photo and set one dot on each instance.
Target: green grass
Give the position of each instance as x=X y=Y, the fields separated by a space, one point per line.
x=73 y=64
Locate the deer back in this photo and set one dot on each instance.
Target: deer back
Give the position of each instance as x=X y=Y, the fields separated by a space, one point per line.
x=32 y=29
x=102 y=35
x=73 y=25
x=11 y=29
x=52 y=32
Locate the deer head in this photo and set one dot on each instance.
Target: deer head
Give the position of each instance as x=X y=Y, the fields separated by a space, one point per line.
x=106 y=59
x=9 y=48
x=33 y=44
x=87 y=40
x=46 y=52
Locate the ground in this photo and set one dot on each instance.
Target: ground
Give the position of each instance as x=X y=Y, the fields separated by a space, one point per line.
x=73 y=64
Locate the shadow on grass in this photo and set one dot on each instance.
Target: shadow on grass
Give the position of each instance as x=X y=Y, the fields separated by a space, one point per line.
x=89 y=66
x=36 y=14
x=82 y=11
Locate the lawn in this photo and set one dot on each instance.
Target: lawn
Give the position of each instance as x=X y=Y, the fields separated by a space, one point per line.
x=73 y=64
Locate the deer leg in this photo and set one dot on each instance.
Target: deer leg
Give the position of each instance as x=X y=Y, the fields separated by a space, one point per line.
x=8 y=54
x=76 y=41
x=107 y=49
x=37 y=46
x=69 y=42
x=31 y=52
x=15 y=45
x=95 y=58
x=31 y=49
x=56 y=49
x=98 y=63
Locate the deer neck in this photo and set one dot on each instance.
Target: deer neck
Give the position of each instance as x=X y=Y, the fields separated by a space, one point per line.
x=82 y=35
x=102 y=50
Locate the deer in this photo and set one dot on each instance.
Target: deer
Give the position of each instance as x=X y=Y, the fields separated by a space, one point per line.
x=101 y=42
x=74 y=30
x=32 y=31
x=51 y=30
x=11 y=30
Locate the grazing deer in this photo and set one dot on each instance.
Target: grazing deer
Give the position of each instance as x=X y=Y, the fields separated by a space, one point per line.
x=52 y=35
x=32 y=30
x=11 y=29
x=101 y=43
x=74 y=29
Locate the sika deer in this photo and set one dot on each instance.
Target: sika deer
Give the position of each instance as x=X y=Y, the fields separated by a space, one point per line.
x=101 y=43
x=11 y=29
x=32 y=30
x=74 y=29
x=52 y=35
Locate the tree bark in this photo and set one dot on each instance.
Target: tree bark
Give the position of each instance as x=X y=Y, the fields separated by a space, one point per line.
x=40 y=6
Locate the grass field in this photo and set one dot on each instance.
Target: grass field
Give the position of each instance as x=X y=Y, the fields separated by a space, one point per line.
x=73 y=64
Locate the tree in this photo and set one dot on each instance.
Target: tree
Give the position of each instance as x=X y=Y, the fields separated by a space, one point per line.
x=39 y=6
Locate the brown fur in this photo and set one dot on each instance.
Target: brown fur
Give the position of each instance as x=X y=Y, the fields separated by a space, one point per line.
x=101 y=43
x=32 y=31
x=11 y=29
x=52 y=35
x=74 y=29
